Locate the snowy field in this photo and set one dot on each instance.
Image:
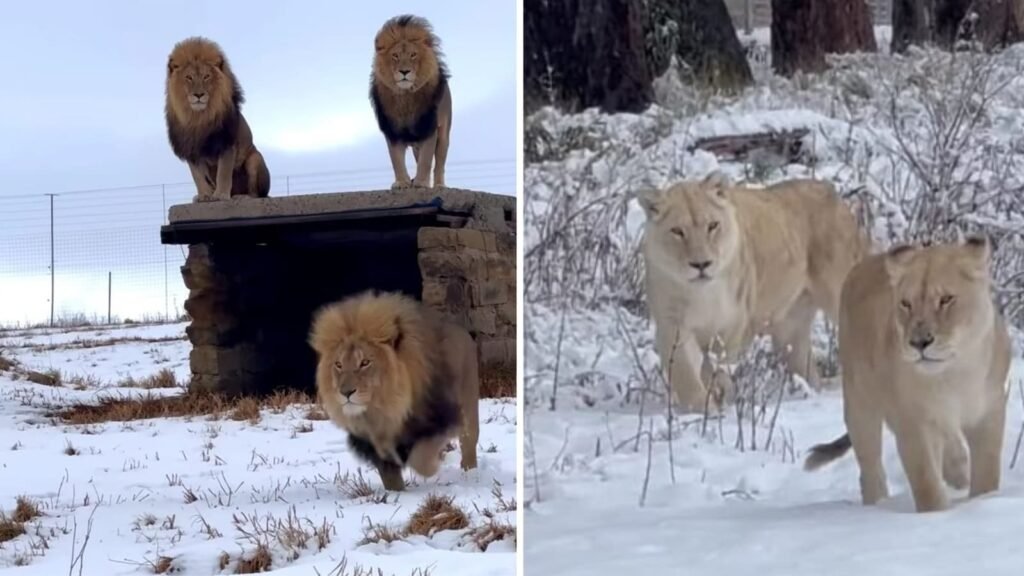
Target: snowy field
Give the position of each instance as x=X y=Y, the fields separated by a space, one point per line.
x=610 y=485
x=203 y=495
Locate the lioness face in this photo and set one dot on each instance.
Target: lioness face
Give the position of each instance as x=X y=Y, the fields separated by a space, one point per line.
x=356 y=374
x=197 y=81
x=942 y=300
x=694 y=225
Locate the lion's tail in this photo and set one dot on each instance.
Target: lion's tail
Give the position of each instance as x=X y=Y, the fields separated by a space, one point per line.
x=823 y=454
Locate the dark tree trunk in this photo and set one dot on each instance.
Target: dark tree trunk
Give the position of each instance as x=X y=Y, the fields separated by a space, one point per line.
x=848 y=26
x=584 y=53
x=797 y=37
x=700 y=34
x=945 y=22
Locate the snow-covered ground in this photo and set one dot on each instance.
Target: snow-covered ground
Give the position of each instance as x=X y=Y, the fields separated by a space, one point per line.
x=250 y=481
x=609 y=487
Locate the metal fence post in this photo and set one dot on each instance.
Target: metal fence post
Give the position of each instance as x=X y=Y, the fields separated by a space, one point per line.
x=53 y=281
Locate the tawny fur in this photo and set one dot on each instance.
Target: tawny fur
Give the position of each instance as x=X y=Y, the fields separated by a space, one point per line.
x=418 y=114
x=775 y=257
x=947 y=412
x=214 y=140
x=398 y=360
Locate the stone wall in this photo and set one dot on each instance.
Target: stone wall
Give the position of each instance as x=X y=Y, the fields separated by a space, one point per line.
x=252 y=293
x=470 y=275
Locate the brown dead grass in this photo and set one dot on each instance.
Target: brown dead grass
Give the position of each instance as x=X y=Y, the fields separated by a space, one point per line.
x=223 y=560
x=490 y=532
x=6 y=364
x=497 y=381
x=437 y=513
x=25 y=510
x=9 y=528
x=248 y=409
x=258 y=562
x=374 y=533
x=165 y=378
x=48 y=378
x=190 y=404
x=164 y=565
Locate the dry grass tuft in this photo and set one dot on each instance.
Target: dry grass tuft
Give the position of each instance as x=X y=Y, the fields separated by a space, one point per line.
x=497 y=381
x=165 y=378
x=355 y=486
x=7 y=364
x=375 y=533
x=316 y=413
x=259 y=562
x=9 y=528
x=163 y=565
x=490 y=532
x=248 y=409
x=70 y=450
x=437 y=513
x=190 y=404
x=48 y=378
x=25 y=510
x=223 y=560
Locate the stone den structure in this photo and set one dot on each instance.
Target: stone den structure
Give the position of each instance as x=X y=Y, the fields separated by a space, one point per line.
x=257 y=269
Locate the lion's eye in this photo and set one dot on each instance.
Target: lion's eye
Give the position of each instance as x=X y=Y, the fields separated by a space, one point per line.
x=679 y=232
x=188 y=77
x=905 y=304
x=364 y=363
x=206 y=76
x=338 y=365
x=712 y=226
x=413 y=55
x=394 y=57
x=946 y=300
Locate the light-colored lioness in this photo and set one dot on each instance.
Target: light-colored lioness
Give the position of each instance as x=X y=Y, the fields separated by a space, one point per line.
x=725 y=263
x=922 y=348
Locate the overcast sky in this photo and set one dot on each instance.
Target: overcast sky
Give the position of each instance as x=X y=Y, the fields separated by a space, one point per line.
x=83 y=100
x=82 y=108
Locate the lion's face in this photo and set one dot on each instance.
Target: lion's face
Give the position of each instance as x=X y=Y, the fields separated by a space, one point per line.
x=693 y=224
x=405 y=59
x=358 y=368
x=942 y=300
x=198 y=79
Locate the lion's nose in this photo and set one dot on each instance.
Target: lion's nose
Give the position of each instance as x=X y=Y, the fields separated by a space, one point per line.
x=922 y=341
x=404 y=72
x=700 y=266
x=198 y=95
x=348 y=394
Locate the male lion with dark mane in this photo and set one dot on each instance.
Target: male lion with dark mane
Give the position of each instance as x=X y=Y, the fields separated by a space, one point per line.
x=205 y=124
x=410 y=96
x=399 y=380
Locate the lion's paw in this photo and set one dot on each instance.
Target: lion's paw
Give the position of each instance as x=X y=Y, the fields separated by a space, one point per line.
x=401 y=184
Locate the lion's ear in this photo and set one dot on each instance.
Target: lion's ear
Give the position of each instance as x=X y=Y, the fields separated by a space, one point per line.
x=220 y=64
x=979 y=248
x=650 y=201
x=171 y=66
x=896 y=260
x=717 y=182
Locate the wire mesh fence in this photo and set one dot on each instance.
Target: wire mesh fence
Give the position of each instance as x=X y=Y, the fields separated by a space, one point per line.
x=94 y=256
